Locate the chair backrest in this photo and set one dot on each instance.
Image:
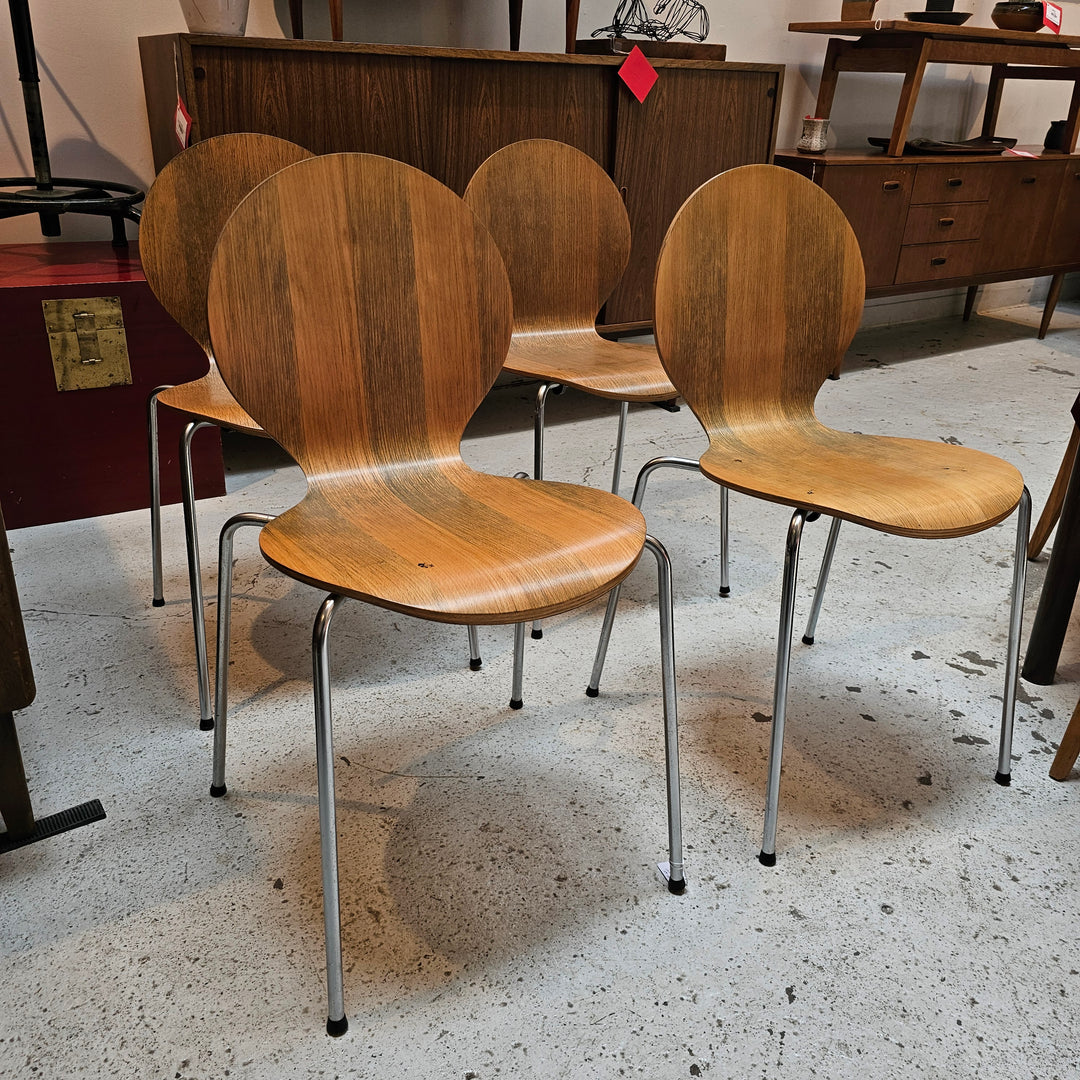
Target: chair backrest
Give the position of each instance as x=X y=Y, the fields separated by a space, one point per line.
x=759 y=291
x=186 y=208
x=360 y=312
x=561 y=226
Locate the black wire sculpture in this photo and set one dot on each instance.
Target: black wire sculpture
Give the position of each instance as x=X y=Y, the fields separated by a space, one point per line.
x=105 y=199
x=686 y=17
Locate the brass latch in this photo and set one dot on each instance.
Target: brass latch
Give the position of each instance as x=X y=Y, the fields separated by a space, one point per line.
x=88 y=343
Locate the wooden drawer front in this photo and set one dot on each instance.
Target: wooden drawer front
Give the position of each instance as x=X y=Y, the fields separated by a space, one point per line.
x=936 y=262
x=953 y=182
x=944 y=222
x=875 y=200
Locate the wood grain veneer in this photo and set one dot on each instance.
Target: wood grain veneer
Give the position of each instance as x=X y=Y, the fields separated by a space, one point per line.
x=360 y=312
x=185 y=210
x=564 y=236
x=759 y=290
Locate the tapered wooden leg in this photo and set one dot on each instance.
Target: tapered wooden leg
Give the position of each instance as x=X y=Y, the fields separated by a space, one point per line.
x=1051 y=302
x=515 y=25
x=296 y=18
x=1052 y=510
x=1069 y=748
x=337 y=22
x=15 y=806
x=969 y=301
x=572 y=9
x=908 y=96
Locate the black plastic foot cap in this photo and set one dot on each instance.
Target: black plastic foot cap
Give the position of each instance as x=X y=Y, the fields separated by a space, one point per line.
x=767 y=858
x=725 y=590
x=677 y=887
x=336 y=1028
x=537 y=635
x=475 y=664
x=206 y=723
x=159 y=603
x=217 y=790
x=1003 y=778
x=516 y=703
x=592 y=691
x=807 y=639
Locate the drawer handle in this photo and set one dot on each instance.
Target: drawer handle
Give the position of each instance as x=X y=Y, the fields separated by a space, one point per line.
x=945 y=222
x=893 y=185
x=955 y=181
x=938 y=261
x=1027 y=180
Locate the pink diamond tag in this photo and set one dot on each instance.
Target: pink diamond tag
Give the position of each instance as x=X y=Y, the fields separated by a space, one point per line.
x=638 y=74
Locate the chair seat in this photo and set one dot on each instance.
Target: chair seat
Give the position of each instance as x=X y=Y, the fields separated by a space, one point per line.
x=209 y=399
x=589 y=362
x=456 y=546
x=904 y=486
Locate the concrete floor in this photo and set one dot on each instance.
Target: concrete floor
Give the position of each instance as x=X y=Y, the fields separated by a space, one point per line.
x=502 y=910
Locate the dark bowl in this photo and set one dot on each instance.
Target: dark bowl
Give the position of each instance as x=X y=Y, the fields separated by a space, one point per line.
x=1023 y=15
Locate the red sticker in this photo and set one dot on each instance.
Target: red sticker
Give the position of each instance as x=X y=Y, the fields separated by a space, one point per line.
x=638 y=74
x=1052 y=17
x=182 y=124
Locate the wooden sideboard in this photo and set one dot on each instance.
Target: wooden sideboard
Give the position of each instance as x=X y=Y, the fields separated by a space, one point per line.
x=446 y=110
x=927 y=222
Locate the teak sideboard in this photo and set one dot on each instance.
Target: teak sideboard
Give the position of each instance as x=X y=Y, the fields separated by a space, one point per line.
x=446 y=110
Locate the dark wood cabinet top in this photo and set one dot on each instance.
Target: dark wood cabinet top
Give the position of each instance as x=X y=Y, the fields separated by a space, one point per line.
x=878 y=157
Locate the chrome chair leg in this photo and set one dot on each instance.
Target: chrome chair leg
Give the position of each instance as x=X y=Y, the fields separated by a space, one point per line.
x=620 y=442
x=822 y=581
x=475 y=660
x=224 y=624
x=198 y=613
x=519 y=665
x=336 y=1021
x=767 y=857
x=593 y=689
x=1016 y=618
x=725 y=581
x=538 y=454
x=675 y=873
x=155 y=492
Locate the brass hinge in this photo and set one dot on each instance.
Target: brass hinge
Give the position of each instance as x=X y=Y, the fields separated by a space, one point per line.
x=88 y=343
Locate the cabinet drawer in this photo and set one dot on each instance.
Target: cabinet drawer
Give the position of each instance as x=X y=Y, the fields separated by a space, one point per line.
x=953 y=182
x=935 y=262
x=944 y=222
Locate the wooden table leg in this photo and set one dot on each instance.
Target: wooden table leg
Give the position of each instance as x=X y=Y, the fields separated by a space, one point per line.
x=296 y=18
x=15 y=807
x=1052 y=509
x=1058 y=591
x=1051 y=302
x=905 y=107
x=1069 y=749
x=829 y=74
x=515 y=25
x=993 y=100
x=337 y=22
x=572 y=9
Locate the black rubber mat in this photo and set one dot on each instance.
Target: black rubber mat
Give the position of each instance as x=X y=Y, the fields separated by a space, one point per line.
x=55 y=824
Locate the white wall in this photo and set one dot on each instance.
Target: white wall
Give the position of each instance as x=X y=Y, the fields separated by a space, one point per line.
x=91 y=84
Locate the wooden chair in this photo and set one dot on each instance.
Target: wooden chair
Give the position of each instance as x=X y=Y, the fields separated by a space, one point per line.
x=759 y=290
x=341 y=287
x=564 y=234
x=184 y=212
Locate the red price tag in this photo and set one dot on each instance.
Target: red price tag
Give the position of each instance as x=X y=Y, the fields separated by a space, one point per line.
x=638 y=74
x=1052 y=17
x=182 y=124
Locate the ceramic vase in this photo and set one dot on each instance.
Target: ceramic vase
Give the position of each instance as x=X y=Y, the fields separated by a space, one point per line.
x=814 y=132
x=215 y=16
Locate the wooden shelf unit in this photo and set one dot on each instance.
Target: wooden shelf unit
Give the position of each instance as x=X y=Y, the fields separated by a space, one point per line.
x=446 y=110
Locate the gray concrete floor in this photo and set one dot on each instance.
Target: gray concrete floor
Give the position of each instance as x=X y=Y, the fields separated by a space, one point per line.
x=502 y=910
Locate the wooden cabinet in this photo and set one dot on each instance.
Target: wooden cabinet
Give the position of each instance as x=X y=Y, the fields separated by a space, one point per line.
x=445 y=110
x=924 y=223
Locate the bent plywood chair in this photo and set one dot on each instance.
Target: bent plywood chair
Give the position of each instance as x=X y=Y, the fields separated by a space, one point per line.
x=759 y=290
x=185 y=209
x=346 y=283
